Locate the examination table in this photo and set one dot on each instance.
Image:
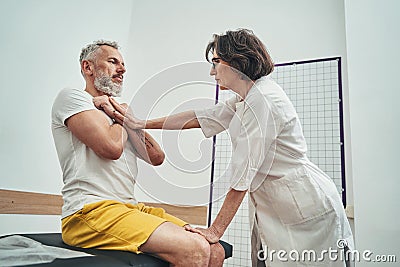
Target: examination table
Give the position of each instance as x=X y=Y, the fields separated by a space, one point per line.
x=19 y=202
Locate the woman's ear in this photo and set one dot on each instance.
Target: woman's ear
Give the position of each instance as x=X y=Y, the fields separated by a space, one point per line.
x=87 y=68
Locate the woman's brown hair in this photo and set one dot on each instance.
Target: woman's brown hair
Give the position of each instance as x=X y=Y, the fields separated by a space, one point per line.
x=243 y=51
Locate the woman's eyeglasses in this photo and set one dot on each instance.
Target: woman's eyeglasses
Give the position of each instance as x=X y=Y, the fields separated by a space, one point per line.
x=215 y=61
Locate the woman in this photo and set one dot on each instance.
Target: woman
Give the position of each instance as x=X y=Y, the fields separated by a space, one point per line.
x=294 y=205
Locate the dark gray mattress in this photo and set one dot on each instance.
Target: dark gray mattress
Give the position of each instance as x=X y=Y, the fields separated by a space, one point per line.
x=103 y=258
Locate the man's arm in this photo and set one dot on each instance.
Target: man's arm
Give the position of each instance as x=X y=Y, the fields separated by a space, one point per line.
x=93 y=129
x=146 y=148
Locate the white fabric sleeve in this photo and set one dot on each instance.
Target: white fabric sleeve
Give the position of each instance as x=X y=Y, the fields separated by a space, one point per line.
x=70 y=102
x=217 y=118
x=255 y=146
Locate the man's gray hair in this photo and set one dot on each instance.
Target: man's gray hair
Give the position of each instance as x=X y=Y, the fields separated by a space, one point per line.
x=88 y=52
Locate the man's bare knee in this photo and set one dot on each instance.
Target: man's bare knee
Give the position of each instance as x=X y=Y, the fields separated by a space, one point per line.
x=196 y=253
x=177 y=246
x=217 y=255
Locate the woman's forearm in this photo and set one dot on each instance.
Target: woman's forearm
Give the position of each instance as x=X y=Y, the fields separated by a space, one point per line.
x=228 y=210
x=179 y=121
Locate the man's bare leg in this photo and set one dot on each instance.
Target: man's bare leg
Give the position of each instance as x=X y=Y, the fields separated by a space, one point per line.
x=179 y=247
x=217 y=255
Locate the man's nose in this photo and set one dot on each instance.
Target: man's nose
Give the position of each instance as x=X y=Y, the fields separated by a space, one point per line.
x=121 y=68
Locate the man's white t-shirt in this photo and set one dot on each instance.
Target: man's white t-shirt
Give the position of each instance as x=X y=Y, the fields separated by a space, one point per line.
x=87 y=177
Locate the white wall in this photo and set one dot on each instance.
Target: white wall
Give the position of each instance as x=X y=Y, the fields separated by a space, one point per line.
x=373 y=41
x=42 y=41
x=167 y=33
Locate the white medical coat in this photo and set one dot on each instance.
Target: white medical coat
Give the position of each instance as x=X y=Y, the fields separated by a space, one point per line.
x=295 y=207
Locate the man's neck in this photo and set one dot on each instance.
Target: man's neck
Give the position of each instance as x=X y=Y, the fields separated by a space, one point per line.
x=93 y=91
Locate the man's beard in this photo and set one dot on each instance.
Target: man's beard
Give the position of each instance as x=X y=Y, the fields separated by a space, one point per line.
x=105 y=84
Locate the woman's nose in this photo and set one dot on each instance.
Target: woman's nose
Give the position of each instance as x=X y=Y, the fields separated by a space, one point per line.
x=212 y=71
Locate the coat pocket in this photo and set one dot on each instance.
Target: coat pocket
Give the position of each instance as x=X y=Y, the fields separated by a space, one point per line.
x=297 y=198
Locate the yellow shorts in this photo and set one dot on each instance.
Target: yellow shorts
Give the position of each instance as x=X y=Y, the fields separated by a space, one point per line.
x=114 y=225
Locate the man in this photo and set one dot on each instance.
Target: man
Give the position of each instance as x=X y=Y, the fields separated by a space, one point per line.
x=99 y=206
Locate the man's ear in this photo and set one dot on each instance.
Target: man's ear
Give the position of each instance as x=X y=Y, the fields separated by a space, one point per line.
x=87 y=68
